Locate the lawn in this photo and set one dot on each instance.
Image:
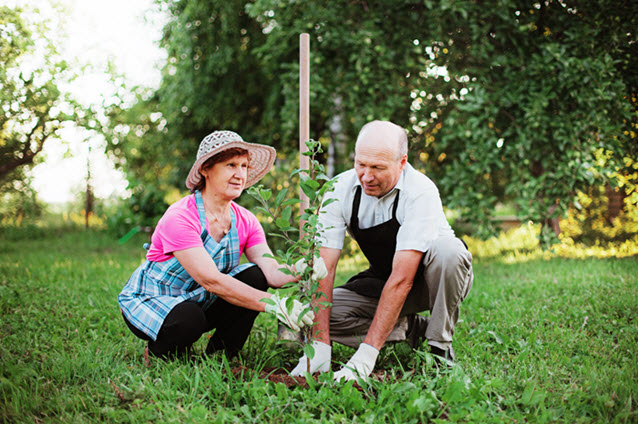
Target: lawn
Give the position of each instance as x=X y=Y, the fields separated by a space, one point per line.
x=539 y=341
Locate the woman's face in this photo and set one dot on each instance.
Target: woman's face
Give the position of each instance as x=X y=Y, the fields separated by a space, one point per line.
x=227 y=178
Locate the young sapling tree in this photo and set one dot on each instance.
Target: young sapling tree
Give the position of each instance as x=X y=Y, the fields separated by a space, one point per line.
x=301 y=253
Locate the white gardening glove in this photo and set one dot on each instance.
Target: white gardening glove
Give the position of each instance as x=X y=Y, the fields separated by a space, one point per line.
x=290 y=318
x=319 y=270
x=360 y=365
x=319 y=363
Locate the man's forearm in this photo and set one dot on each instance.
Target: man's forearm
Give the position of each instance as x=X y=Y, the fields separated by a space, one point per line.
x=322 y=329
x=404 y=266
x=385 y=318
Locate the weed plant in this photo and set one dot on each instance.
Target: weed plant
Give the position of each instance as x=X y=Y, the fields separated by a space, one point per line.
x=546 y=340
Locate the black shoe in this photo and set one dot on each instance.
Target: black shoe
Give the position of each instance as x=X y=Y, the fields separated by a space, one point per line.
x=443 y=357
x=417 y=325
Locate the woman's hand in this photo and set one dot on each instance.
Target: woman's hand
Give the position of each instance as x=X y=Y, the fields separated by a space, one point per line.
x=270 y=267
x=291 y=312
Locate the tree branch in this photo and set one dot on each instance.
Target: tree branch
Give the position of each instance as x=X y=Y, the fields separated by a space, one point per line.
x=28 y=155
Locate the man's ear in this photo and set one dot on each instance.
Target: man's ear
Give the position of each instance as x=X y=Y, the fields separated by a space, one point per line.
x=404 y=161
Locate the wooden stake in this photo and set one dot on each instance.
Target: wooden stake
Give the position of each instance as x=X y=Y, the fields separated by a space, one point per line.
x=304 y=109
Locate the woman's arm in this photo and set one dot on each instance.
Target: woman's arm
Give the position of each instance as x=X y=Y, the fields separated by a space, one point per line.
x=199 y=265
x=269 y=266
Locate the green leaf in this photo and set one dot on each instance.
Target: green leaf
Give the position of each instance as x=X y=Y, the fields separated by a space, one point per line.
x=268 y=301
x=329 y=201
x=264 y=210
x=308 y=190
x=286 y=214
x=302 y=173
x=280 y=196
x=312 y=220
x=282 y=223
x=309 y=350
x=289 y=202
x=289 y=304
x=265 y=194
x=312 y=184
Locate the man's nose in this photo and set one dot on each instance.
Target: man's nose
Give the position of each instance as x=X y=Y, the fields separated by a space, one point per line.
x=367 y=176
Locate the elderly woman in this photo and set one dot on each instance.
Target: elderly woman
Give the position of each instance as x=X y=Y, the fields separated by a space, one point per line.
x=191 y=281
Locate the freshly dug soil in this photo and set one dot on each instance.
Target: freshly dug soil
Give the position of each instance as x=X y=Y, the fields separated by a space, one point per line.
x=274 y=375
x=281 y=375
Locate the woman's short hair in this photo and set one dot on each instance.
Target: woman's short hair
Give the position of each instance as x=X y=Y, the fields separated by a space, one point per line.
x=220 y=157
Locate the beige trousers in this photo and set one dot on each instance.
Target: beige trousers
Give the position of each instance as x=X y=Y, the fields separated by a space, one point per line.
x=447 y=281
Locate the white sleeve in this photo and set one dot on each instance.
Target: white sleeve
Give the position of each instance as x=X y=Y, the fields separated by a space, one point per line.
x=332 y=219
x=421 y=225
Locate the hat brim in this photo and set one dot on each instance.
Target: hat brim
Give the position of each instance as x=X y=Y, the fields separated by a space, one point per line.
x=260 y=160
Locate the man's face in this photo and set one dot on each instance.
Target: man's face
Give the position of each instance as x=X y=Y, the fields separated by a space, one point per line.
x=378 y=165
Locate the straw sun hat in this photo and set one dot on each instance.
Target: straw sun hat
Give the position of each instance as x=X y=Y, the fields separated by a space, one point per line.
x=260 y=156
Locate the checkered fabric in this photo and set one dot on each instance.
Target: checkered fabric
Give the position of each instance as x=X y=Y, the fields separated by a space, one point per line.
x=155 y=288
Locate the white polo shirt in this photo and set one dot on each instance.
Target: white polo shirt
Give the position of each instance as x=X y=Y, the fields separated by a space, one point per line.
x=419 y=211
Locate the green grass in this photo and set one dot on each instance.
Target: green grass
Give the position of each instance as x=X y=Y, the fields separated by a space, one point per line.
x=542 y=341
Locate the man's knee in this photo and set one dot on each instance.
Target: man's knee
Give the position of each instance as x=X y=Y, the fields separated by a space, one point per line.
x=448 y=267
x=340 y=307
x=451 y=252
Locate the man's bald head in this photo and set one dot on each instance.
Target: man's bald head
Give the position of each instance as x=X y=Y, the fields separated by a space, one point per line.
x=380 y=156
x=384 y=134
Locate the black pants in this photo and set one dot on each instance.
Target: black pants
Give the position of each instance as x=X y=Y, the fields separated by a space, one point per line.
x=186 y=323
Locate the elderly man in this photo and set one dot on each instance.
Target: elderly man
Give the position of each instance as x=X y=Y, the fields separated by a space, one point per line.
x=395 y=215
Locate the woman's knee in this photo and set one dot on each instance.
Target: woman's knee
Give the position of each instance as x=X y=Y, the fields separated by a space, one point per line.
x=254 y=277
x=184 y=324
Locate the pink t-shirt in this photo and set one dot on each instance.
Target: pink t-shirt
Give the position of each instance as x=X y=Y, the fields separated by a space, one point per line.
x=180 y=229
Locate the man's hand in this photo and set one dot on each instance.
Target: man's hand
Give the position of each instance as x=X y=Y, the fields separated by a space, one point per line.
x=360 y=365
x=319 y=270
x=319 y=363
x=290 y=317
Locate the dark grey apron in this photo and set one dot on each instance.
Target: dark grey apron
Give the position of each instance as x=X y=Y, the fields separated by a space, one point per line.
x=378 y=244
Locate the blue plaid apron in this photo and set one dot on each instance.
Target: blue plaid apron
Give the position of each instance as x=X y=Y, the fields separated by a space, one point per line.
x=155 y=288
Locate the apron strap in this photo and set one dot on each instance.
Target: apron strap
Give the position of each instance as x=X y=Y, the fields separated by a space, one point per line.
x=354 y=218
x=201 y=212
x=396 y=204
x=202 y=215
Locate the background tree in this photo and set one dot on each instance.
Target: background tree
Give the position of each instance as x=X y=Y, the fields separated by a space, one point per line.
x=31 y=104
x=507 y=103
x=542 y=98
x=212 y=80
x=502 y=103
x=32 y=108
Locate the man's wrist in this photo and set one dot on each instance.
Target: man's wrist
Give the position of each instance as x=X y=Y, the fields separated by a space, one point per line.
x=368 y=352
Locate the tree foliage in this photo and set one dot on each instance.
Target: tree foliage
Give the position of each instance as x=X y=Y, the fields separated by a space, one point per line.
x=505 y=102
x=542 y=98
x=30 y=101
x=502 y=103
